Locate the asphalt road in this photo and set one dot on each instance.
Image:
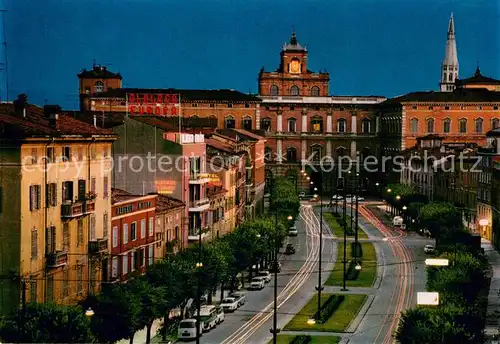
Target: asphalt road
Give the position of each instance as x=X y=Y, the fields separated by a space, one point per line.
x=296 y=282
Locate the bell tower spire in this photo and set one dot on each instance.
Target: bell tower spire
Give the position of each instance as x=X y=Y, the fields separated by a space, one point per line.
x=449 y=67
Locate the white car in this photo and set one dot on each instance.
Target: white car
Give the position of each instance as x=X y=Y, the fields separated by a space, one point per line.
x=429 y=249
x=220 y=314
x=359 y=198
x=229 y=304
x=240 y=297
x=292 y=231
x=187 y=329
x=208 y=316
x=302 y=194
x=337 y=197
x=258 y=283
x=266 y=274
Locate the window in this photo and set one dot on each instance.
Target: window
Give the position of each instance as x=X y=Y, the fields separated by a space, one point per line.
x=431 y=107
x=80 y=232
x=291 y=154
x=34 y=244
x=229 y=105
x=79 y=279
x=212 y=105
x=92 y=227
x=316 y=153
x=194 y=105
x=150 y=255
x=291 y=125
x=50 y=288
x=34 y=156
x=462 y=126
x=315 y=91
x=66 y=153
x=414 y=107
x=229 y=122
x=35 y=197
x=341 y=125
x=51 y=156
x=66 y=238
x=92 y=185
x=33 y=290
x=143 y=257
x=265 y=124
x=143 y=228
x=80 y=153
x=105 y=224
x=114 y=267
x=446 y=125
x=294 y=91
x=247 y=123
x=430 y=125
x=414 y=125
x=274 y=90
x=51 y=195
x=495 y=123
x=247 y=105
x=479 y=125
x=133 y=231
x=366 y=125
x=317 y=125
x=341 y=151
x=99 y=87
x=125 y=264
x=115 y=236
x=151 y=226
x=125 y=233
x=65 y=289
x=105 y=190
x=133 y=259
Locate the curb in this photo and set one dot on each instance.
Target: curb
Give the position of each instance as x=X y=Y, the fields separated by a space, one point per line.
x=380 y=266
x=352 y=327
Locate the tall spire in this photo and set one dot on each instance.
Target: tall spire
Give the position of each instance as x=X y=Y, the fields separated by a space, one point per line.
x=449 y=68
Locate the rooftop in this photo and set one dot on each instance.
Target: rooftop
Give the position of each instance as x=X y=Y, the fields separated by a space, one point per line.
x=294 y=44
x=458 y=95
x=98 y=72
x=165 y=203
x=214 y=190
x=119 y=195
x=240 y=134
x=477 y=79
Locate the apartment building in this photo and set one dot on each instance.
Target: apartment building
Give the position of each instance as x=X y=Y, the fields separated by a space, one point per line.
x=55 y=196
x=170 y=214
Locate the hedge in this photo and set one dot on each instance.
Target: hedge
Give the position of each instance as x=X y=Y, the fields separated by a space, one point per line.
x=356 y=253
x=348 y=228
x=302 y=339
x=351 y=273
x=328 y=308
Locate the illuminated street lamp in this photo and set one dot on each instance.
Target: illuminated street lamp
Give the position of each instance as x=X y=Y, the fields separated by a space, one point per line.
x=89 y=313
x=311 y=321
x=358 y=267
x=311 y=181
x=398 y=197
x=308 y=178
x=404 y=207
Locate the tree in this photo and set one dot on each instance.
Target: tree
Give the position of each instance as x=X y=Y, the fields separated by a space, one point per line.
x=47 y=323
x=284 y=196
x=443 y=220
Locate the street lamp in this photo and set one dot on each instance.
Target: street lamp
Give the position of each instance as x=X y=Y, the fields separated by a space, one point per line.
x=345 y=236
x=308 y=178
x=387 y=203
x=311 y=321
x=89 y=313
x=319 y=288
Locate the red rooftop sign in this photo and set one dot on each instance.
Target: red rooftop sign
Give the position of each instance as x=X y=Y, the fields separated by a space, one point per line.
x=153 y=104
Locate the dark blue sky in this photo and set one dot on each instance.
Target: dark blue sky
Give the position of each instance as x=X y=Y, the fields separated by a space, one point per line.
x=370 y=47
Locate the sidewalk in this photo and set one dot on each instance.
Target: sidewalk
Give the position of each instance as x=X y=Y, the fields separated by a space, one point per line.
x=493 y=310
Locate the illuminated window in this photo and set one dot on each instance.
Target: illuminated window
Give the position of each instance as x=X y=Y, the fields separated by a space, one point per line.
x=317 y=125
x=99 y=87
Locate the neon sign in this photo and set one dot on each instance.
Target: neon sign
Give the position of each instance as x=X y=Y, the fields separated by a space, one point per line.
x=153 y=104
x=165 y=187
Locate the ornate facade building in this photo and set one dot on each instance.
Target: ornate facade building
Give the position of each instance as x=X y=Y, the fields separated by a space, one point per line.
x=303 y=124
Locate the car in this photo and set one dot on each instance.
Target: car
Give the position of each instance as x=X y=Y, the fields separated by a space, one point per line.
x=359 y=198
x=337 y=197
x=292 y=231
x=208 y=316
x=275 y=267
x=266 y=274
x=302 y=194
x=229 y=304
x=220 y=314
x=429 y=249
x=290 y=249
x=257 y=283
x=187 y=329
x=240 y=297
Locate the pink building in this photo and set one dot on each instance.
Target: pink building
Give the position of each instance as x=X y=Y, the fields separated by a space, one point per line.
x=193 y=182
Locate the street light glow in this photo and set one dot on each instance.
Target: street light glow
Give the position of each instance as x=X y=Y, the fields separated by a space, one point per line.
x=398 y=197
x=358 y=267
x=389 y=190
x=258 y=235
x=308 y=177
x=404 y=207
x=315 y=189
x=311 y=321
x=311 y=182
x=199 y=265
x=290 y=218
x=89 y=312
x=377 y=184
x=315 y=196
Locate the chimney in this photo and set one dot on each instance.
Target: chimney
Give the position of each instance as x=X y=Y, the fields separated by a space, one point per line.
x=51 y=112
x=95 y=121
x=20 y=105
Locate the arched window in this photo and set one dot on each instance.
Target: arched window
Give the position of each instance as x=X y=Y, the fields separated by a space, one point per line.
x=366 y=125
x=316 y=153
x=495 y=123
x=229 y=122
x=247 y=123
x=265 y=124
x=268 y=153
x=462 y=126
x=414 y=125
x=291 y=154
x=292 y=125
x=450 y=77
x=98 y=87
x=341 y=125
x=274 y=90
x=430 y=125
x=315 y=91
x=446 y=125
x=294 y=90
x=341 y=151
x=479 y=125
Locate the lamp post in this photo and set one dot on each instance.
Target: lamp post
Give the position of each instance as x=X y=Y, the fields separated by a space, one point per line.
x=345 y=237
x=199 y=266
x=319 y=288
x=387 y=203
x=356 y=244
x=89 y=313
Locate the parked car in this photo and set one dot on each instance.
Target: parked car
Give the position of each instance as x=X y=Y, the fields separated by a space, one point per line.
x=275 y=267
x=359 y=198
x=397 y=221
x=266 y=275
x=290 y=249
x=187 y=329
x=240 y=296
x=220 y=314
x=429 y=249
x=337 y=197
x=229 y=304
x=302 y=194
x=292 y=231
x=257 y=283
x=208 y=316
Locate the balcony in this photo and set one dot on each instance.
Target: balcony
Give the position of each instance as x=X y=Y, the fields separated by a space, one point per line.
x=89 y=206
x=98 y=246
x=72 y=210
x=198 y=178
x=199 y=205
x=194 y=234
x=57 y=259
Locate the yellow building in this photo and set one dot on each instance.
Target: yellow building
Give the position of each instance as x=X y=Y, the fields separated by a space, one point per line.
x=55 y=204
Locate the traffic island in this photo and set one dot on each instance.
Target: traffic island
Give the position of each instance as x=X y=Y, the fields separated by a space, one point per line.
x=335 y=224
x=366 y=261
x=306 y=339
x=335 y=316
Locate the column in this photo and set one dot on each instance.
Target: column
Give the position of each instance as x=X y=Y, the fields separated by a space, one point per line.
x=329 y=120
x=353 y=149
x=279 y=150
x=304 y=121
x=279 y=121
x=377 y=124
x=328 y=148
x=354 y=123
x=304 y=150
x=257 y=117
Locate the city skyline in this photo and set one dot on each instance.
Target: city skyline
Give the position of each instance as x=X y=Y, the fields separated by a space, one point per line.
x=390 y=41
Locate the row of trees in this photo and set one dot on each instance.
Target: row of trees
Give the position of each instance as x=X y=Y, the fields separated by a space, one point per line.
x=120 y=310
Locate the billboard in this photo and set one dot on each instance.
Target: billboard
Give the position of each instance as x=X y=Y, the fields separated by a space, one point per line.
x=153 y=104
x=427 y=298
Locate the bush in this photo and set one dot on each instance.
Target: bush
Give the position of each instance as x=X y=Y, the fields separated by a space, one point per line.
x=357 y=250
x=302 y=339
x=351 y=273
x=328 y=308
x=343 y=223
